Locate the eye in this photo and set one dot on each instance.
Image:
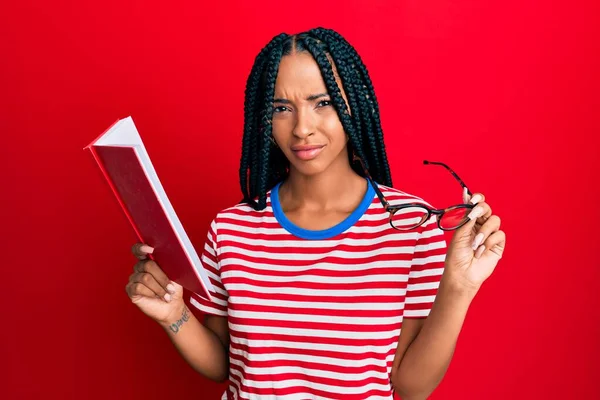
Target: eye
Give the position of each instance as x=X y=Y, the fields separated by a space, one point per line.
x=279 y=109
x=324 y=103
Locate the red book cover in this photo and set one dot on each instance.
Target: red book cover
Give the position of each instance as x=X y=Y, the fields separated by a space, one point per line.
x=122 y=158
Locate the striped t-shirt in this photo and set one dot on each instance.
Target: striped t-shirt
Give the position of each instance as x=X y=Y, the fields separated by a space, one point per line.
x=317 y=314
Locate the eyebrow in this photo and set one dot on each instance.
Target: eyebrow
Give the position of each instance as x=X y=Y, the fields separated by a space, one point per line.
x=309 y=98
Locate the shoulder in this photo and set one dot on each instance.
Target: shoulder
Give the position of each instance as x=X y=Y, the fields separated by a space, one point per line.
x=242 y=212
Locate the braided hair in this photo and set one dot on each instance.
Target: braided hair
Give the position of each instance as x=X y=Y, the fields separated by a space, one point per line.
x=262 y=163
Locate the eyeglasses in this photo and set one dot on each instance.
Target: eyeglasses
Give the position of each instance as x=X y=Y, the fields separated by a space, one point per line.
x=407 y=216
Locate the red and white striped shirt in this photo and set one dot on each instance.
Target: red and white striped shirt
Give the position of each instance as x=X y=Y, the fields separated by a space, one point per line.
x=317 y=314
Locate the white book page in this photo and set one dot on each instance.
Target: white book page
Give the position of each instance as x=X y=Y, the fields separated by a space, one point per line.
x=123 y=134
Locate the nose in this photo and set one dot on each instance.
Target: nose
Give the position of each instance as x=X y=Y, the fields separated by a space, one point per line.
x=305 y=124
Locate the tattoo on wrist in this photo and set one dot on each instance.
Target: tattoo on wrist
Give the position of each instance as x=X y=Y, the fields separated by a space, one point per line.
x=174 y=327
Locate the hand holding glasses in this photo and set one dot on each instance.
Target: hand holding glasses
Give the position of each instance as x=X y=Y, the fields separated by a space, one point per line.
x=408 y=216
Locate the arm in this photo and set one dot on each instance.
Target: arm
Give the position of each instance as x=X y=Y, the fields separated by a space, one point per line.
x=426 y=346
x=424 y=354
x=204 y=347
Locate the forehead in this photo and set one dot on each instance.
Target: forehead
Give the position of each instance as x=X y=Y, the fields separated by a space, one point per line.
x=300 y=73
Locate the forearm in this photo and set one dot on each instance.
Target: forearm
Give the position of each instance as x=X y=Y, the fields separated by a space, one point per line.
x=198 y=345
x=428 y=356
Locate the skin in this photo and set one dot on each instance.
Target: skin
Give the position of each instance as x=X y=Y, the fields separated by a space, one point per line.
x=318 y=194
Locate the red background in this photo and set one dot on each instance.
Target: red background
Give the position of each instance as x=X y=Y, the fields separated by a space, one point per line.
x=506 y=93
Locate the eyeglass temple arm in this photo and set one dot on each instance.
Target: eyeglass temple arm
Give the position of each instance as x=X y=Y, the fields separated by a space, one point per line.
x=379 y=194
x=452 y=172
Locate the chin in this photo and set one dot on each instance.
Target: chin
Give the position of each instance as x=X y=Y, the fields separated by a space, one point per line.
x=310 y=168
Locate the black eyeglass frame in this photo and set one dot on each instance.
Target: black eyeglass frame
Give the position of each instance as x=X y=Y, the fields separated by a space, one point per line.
x=430 y=211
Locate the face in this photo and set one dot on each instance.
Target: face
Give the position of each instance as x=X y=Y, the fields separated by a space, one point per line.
x=306 y=126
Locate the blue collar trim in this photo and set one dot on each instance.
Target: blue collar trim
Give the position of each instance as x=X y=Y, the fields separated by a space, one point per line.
x=325 y=233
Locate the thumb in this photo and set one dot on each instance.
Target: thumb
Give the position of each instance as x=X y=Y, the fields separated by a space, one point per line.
x=464 y=234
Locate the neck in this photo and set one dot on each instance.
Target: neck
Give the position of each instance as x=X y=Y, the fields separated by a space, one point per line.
x=337 y=187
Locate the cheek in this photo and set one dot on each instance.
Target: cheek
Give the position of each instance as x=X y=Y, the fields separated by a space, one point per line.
x=280 y=128
x=333 y=128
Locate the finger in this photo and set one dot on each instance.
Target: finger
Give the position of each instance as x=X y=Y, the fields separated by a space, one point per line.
x=477 y=217
x=489 y=227
x=481 y=212
x=477 y=198
x=148 y=280
x=141 y=250
x=152 y=268
x=139 y=289
x=494 y=245
x=176 y=286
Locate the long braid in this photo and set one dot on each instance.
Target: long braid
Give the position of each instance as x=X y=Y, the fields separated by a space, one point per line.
x=372 y=100
x=265 y=139
x=362 y=83
x=249 y=158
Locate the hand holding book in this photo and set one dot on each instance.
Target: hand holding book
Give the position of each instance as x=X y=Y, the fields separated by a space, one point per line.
x=152 y=291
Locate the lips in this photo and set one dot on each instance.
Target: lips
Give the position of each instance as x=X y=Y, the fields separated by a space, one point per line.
x=307 y=152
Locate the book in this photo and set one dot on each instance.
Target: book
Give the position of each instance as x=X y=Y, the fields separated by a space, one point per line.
x=122 y=158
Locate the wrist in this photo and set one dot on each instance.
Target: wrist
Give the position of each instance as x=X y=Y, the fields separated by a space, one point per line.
x=174 y=316
x=458 y=289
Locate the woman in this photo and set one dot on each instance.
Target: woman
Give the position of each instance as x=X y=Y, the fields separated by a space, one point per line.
x=323 y=289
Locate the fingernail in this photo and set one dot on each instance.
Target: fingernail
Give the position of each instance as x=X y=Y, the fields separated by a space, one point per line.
x=167 y=297
x=475 y=213
x=465 y=196
x=476 y=199
x=479 y=251
x=171 y=288
x=146 y=249
x=477 y=241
